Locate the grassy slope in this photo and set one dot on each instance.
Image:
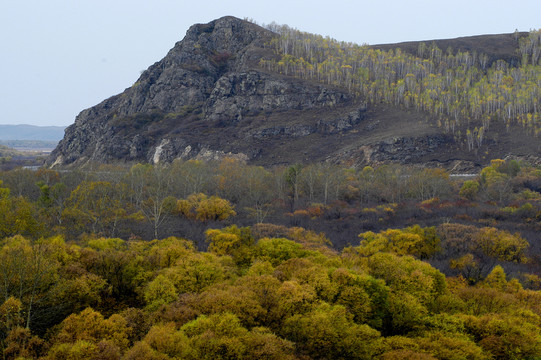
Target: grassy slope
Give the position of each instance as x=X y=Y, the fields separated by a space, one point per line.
x=500 y=46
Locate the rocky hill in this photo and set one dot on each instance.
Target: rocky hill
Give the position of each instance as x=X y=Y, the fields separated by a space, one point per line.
x=209 y=97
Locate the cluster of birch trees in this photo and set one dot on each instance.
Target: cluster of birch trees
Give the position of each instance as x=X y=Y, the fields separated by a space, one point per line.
x=462 y=91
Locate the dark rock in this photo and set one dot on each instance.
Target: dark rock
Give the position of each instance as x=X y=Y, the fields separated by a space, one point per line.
x=209 y=80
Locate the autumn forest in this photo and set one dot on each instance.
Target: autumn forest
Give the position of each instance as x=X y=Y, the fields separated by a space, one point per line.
x=222 y=260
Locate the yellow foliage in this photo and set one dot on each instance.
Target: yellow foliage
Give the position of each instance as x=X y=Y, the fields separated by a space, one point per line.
x=194 y=272
x=506 y=337
x=497 y=163
x=78 y=350
x=17 y=217
x=234 y=241
x=502 y=245
x=214 y=208
x=421 y=242
x=309 y=239
x=86 y=330
x=496 y=279
x=409 y=275
x=203 y=208
x=107 y=244
x=222 y=243
x=469 y=189
x=10 y=314
x=4 y=192
x=164 y=253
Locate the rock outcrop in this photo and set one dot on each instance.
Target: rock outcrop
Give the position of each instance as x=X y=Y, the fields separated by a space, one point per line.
x=207 y=98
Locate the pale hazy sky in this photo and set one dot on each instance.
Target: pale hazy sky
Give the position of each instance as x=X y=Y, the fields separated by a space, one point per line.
x=59 y=57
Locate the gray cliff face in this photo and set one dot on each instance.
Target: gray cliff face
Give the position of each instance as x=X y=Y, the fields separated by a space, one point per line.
x=207 y=87
x=242 y=94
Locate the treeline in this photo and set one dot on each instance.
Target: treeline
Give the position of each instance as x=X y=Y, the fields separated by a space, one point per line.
x=151 y=201
x=459 y=89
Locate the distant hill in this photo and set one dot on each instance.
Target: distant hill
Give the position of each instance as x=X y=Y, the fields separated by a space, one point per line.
x=31 y=132
x=8 y=152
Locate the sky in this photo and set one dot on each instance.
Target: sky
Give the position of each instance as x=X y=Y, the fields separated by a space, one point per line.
x=58 y=57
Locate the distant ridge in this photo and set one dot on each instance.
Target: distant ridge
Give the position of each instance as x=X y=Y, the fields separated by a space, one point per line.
x=31 y=132
x=495 y=46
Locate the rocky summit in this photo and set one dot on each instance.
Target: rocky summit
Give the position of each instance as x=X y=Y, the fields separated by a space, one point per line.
x=209 y=97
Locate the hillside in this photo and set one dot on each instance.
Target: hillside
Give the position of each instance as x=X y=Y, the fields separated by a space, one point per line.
x=8 y=152
x=232 y=88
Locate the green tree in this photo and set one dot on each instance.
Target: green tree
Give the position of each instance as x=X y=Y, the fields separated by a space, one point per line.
x=223 y=336
x=17 y=216
x=28 y=272
x=408 y=275
x=277 y=250
x=502 y=245
x=233 y=241
x=162 y=342
x=505 y=336
x=328 y=331
x=469 y=189
x=97 y=206
x=88 y=335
